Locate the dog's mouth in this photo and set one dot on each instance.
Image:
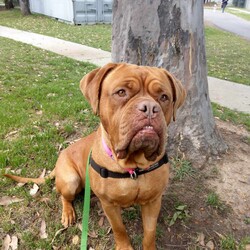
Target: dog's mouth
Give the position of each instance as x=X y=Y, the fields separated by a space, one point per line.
x=145 y=141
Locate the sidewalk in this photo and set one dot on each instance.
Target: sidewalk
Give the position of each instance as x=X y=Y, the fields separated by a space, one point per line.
x=228 y=94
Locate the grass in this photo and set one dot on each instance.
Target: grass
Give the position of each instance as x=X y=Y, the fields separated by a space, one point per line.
x=219 y=60
x=181 y=168
x=97 y=36
x=227 y=56
x=42 y=106
x=237 y=12
x=227 y=114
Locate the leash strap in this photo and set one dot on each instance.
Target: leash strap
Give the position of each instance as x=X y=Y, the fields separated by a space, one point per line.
x=86 y=208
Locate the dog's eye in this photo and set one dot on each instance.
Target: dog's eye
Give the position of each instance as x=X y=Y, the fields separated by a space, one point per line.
x=164 y=98
x=121 y=93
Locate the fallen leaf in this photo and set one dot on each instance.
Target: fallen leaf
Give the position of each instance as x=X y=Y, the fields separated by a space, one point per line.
x=6 y=242
x=248 y=247
x=34 y=190
x=210 y=245
x=201 y=239
x=101 y=221
x=76 y=240
x=58 y=232
x=7 y=200
x=79 y=226
x=109 y=230
x=220 y=235
x=43 y=234
x=93 y=234
x=43 y=173
x=14 y=243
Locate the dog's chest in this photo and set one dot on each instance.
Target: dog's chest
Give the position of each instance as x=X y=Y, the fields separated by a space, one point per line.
x=126 y=192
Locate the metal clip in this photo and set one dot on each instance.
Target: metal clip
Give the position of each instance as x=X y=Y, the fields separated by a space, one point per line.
x=133 y=175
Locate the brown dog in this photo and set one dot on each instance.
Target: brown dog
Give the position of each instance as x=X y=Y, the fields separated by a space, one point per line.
x=135 y=105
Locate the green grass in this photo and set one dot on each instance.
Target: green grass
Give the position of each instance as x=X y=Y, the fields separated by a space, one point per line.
x=41 y=110
x=227 y=56
x=227 y=114
x=238 y=13
x=181 y=168
x=97 y=36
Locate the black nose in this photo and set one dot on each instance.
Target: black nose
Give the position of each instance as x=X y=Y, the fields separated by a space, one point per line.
x=149 y=108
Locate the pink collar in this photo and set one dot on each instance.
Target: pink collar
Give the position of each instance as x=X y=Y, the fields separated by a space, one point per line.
x=107 y=149
x=110 y=154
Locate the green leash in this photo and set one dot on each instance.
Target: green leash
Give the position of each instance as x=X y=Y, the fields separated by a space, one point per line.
x=86 y=207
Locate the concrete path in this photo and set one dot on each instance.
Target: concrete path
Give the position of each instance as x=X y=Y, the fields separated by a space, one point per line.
x=228 y=22
x=228 y=94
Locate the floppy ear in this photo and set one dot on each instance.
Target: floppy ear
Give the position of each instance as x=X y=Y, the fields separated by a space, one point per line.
x=91 y=83
x=179 y=93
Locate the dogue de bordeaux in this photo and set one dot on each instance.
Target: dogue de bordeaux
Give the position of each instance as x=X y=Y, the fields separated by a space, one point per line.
x=128 y=162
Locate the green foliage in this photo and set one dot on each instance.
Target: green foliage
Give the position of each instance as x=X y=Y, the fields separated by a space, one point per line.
x=227 y=56
x=181 y=168
x=228 y=243
x=235 y=117
x=97 y=36
x=180 y=214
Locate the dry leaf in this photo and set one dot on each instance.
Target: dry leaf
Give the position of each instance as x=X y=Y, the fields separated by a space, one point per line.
x=248 y=247
x=7 y=200
x=34 y=190
x=6 y=242
x=201 y=239
x=10 y=243
x=14 y=243
x=43 y=173
x=210 y=245
x=79 y=226
x=57 y=232
x=109 y=230
x=101 y=221
x=93 y=234
x=220 y=235
x=43 y=234
x=76 y=240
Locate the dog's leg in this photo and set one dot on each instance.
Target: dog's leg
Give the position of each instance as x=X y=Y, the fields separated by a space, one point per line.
x=113 y=214
x=150 y=213
x=68 y=184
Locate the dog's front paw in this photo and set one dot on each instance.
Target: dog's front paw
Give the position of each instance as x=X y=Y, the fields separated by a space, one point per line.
x=124 y=248
x=68 y=216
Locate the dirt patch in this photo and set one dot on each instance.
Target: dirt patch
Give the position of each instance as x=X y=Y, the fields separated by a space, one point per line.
x=233 y=184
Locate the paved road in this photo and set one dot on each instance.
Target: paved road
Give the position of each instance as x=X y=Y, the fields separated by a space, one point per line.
x=228 y=22
x=228 y=94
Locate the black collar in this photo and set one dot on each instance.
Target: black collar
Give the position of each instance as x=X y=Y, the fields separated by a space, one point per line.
x=105 y=173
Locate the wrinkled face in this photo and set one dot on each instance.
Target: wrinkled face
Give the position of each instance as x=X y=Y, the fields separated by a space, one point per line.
x=135 y=107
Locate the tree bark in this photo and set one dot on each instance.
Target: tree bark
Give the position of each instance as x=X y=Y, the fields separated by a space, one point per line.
x=25 y=7
x=170 y=34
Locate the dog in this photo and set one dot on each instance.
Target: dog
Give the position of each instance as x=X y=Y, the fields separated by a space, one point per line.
x=128 y=162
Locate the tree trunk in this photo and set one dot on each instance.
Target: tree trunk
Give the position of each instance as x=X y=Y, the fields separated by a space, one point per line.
x=170 y=34
x=25 y=7
x=8 y=4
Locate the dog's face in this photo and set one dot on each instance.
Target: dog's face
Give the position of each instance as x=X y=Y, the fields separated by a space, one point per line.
x=135 y=105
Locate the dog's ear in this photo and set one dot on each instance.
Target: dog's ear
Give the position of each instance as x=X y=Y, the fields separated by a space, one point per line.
x=91 y=83
x=179 y=92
